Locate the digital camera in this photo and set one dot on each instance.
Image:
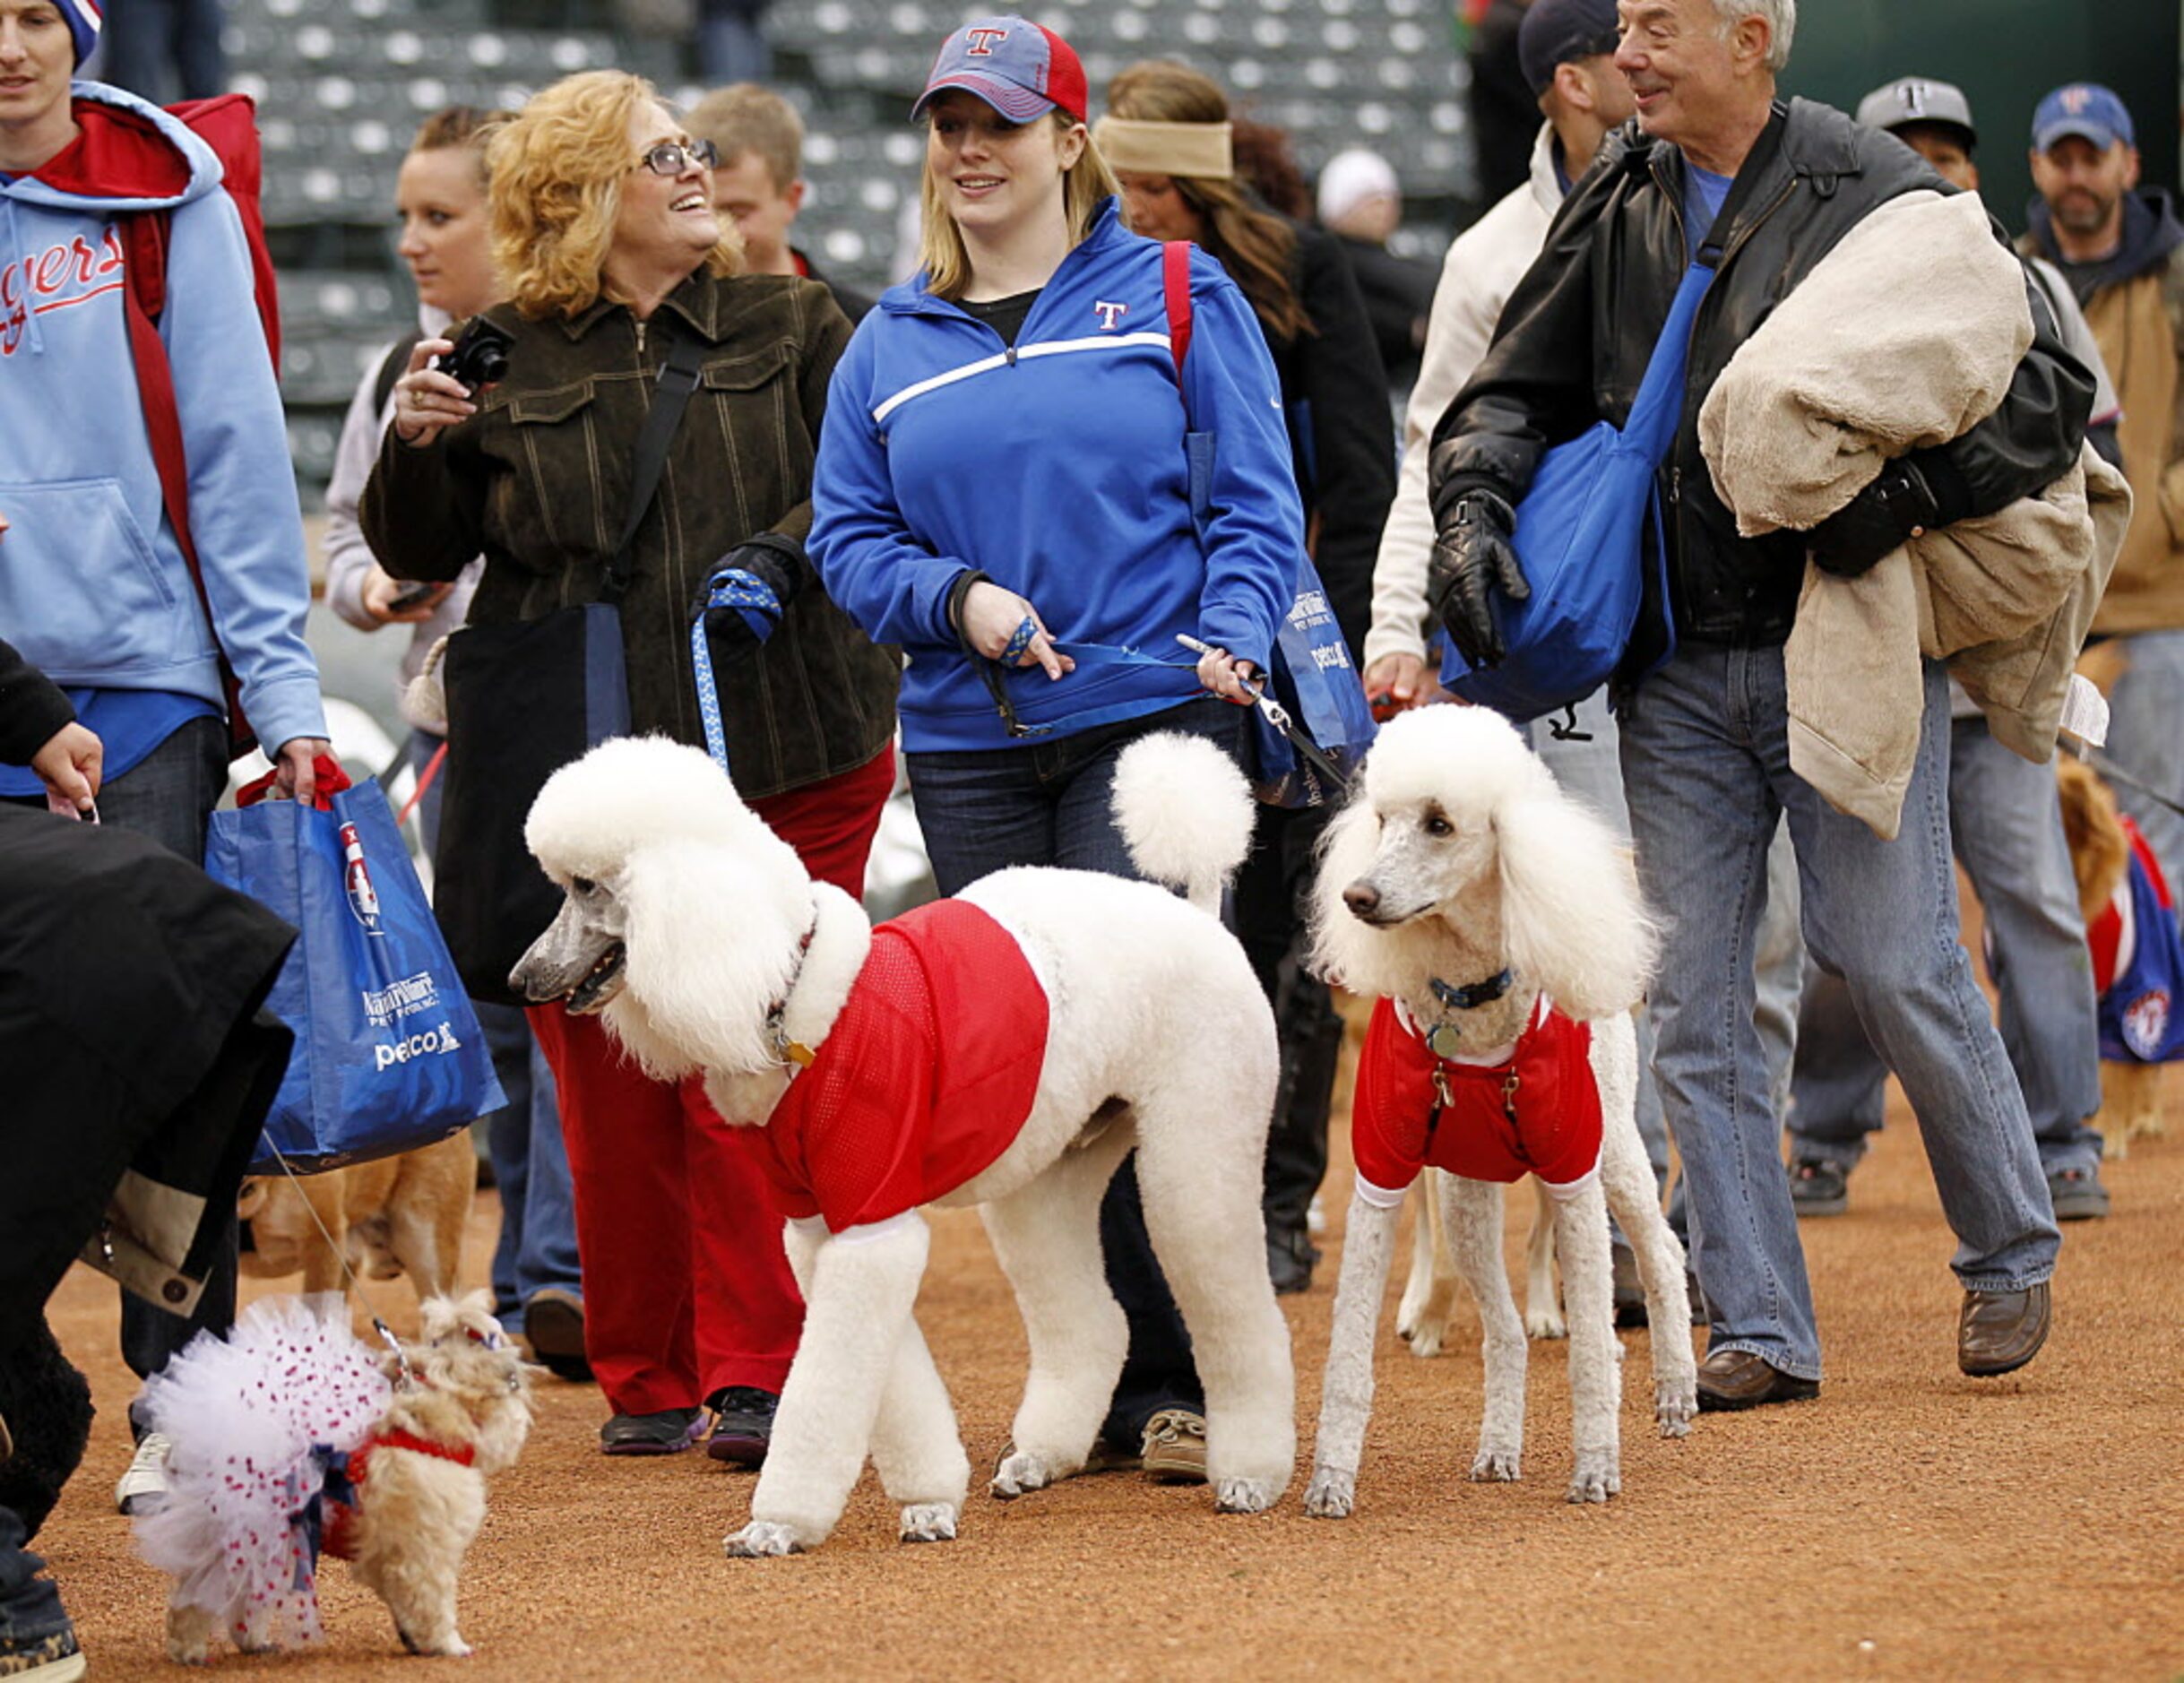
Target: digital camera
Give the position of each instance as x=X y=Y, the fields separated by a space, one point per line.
x=481 y=356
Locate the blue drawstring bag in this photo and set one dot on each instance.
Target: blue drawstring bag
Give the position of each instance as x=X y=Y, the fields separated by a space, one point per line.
x=1320 y=690
x=388 y=1053
x=1581 y=534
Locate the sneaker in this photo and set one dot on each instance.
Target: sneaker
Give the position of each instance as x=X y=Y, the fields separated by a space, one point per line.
x=53 y=1658
x=145 y=1482
x=742 y=1424
x=554 y=1326
x=2078 y=1195
x=1175 y=1447
x=1819 y=1186
x=666 y=1432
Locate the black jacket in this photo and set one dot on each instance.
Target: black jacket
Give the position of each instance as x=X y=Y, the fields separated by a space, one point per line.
x=1574 y=339
x=1341 y=429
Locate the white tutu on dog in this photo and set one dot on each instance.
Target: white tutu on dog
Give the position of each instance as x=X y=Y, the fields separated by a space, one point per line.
x=256 y=1419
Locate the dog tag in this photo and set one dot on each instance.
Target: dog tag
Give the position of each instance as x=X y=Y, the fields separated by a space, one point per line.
x=1443 y=1041
x=799 y=1054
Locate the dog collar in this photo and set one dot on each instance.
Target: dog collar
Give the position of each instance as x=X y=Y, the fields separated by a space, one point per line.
x=787 y=1050
x=1443 y=1039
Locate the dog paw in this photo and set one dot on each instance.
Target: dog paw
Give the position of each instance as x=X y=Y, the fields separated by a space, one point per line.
x=189 y=1653
x=1497 y=1466
x=928 y=1522
x=1332 y=1494
x=1244 y=1495
x=1426 y=1340
x=1595 y=1480
x=1545 y=1324
x=452 y=1648
x=1019 y=1474
x=761 y=1536
x=1675 y=1406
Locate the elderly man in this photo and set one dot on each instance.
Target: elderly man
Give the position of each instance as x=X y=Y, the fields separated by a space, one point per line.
x=1716 y=170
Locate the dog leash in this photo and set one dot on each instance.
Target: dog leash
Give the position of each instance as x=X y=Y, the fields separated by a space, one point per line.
x=2115 y=774
x=755 y=599
x=386 y=1332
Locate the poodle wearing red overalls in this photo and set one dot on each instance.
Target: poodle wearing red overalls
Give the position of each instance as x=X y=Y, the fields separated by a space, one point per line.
x=1499 y=925
x=1006 y=1049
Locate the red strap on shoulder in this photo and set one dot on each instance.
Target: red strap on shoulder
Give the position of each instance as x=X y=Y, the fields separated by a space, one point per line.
x=1176 y=290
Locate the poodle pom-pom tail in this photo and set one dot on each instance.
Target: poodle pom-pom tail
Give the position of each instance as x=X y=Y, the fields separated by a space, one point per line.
x=1186 y=812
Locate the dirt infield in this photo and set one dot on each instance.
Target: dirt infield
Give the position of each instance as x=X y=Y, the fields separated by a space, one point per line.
x=1908 y=1524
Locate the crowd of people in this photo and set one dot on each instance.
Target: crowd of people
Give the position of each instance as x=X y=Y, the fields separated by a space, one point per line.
x=977 y=514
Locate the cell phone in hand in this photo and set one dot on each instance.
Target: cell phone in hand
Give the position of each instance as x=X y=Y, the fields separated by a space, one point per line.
x=410 y=596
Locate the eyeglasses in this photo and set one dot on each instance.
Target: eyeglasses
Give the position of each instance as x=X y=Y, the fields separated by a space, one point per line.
x=671 y=158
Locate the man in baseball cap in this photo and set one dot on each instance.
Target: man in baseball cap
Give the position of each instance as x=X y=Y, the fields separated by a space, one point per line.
x=1928 y=116
x=1018 y=67
x=1556 y=32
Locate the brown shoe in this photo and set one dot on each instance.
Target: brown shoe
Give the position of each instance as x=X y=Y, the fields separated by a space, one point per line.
x=1999 y=1332
x=1175 y=1447
x=1737 y=1379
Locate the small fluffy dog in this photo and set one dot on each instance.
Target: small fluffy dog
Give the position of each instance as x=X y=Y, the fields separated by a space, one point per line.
x=2101 y=854
x=1005 y=1049
x=291 y=1434
x=397 y=1216
x=1500 y=925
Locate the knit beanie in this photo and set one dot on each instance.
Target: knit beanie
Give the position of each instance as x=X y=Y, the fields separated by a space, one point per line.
x=84 y=21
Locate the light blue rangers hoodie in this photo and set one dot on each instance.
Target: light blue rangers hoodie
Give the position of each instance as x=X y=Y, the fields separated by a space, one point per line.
x=93 y=588
x=1057 y=468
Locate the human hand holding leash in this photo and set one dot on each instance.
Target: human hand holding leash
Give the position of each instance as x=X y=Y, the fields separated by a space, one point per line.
x=989 y=620
x=1396 y=683
x=69 y=766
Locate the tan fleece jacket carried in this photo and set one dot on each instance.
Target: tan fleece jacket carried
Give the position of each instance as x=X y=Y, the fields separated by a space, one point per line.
x=1906 y=337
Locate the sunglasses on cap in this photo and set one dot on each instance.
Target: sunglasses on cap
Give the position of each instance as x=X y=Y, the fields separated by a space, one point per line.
x=671 y=158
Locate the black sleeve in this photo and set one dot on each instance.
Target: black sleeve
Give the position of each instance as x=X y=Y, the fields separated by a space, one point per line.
x=2027 y=443
x=1353 y=432
x=1534 y=386
x=31 y=708
x=422 y=513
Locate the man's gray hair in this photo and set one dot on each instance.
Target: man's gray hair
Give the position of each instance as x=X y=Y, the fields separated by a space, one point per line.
x=1782 y=23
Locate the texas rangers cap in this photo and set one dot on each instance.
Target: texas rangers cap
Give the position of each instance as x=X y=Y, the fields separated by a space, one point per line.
x=2086 y=109
x=1560 y=32
x=1918 y=99
x=1020 y=68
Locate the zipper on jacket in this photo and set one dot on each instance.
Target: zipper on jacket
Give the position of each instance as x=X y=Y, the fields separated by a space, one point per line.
x=640 y=335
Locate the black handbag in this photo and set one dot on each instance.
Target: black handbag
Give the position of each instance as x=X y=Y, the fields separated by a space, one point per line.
x=524 y=700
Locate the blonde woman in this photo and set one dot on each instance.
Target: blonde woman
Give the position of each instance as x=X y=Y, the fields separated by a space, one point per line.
x=1004 y=491
x=604 y=233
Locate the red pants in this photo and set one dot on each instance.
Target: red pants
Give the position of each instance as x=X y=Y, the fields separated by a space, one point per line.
x=686 y=1289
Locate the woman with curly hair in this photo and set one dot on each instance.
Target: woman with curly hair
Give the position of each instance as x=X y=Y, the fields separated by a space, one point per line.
x=604 y=234
x=1166 y=133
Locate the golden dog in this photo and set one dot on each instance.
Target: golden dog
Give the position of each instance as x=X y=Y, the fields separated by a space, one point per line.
x=397 y=1215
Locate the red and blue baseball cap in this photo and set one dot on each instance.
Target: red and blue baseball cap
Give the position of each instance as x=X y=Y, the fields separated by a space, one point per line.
x=2087 y=110
x=1020 y=68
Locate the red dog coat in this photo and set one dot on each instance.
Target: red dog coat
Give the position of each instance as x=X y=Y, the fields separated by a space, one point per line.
x=1536 y=1112
x=924 y=1080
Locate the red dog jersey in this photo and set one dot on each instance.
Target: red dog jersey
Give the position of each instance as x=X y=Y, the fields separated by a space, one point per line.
x=1537 y=1112
x=924 y=1080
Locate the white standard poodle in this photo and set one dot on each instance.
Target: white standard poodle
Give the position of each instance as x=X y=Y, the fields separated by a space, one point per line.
x=1006 y=1049
x=1499 y=925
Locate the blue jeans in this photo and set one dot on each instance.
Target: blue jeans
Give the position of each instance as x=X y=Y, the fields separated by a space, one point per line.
x=537 y=1246
x=2008 y=824
x=30 y=1605
x=1050 y=802
x=1706 y=765
x=2146 y=737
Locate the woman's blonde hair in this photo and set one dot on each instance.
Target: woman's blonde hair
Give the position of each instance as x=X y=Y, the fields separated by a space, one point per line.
x=558 y=171
x=1254 y=245
x=941 y=251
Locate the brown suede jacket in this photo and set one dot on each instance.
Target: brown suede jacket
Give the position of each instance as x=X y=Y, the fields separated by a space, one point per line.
x=538 y=483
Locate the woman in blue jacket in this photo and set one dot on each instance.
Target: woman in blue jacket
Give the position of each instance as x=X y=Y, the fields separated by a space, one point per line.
x=1003 y=491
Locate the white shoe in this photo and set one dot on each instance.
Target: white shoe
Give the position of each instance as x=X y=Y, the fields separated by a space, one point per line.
x=1316 y=1217
x=147 y=1473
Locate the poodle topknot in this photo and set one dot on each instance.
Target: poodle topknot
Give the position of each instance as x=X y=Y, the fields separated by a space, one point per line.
x=1466 y=755
x=633 y=792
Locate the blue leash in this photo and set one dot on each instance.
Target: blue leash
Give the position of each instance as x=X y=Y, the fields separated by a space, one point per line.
x=754 y=599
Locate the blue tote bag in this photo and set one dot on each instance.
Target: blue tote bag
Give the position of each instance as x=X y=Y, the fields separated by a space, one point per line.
x=388 y=1053
x=1581 y=534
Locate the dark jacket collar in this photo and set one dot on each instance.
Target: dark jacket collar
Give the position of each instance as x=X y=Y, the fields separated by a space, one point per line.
x=697 y=300
x=2151 y=233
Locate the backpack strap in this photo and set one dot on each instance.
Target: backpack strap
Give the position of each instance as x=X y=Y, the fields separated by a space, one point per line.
x=391 y=368
x=1176 y=291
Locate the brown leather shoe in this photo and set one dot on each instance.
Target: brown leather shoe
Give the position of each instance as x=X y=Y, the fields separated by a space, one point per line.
x=1999 y=1332
x=1737 y=1379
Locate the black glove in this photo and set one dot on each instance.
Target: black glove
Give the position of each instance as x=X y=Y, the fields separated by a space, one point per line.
x=1899 y=505
x=737 y=631
x=1472 y=556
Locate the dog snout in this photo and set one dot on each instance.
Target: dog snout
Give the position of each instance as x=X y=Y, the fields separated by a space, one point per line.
x=1362 y=898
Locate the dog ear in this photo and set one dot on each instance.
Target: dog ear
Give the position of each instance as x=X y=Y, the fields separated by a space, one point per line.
x=1343 y=947
x=710 y=929
x=1571 y=911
